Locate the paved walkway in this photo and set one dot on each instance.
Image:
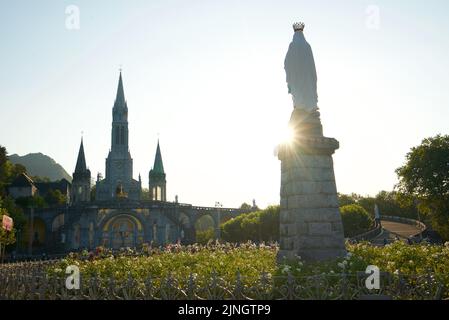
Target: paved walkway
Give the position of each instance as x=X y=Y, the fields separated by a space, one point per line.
x=393 y=230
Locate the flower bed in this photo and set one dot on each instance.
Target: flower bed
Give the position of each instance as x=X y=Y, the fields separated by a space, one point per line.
x=223 y=271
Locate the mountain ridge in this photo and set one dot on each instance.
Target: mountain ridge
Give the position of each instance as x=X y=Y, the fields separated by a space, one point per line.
x=42 y=165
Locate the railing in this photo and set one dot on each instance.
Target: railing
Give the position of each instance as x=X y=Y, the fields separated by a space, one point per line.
x=30 y=281
x=369 y=235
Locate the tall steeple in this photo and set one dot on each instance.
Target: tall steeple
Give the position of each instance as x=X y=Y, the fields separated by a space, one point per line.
x=157 y=178
x=119 y=135
x=120 y=98
x=119 y=164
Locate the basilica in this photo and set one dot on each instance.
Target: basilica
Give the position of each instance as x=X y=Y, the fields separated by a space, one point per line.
x=112 y=213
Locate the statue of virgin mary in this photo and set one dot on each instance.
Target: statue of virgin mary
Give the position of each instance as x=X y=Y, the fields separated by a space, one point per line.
x=301 y=73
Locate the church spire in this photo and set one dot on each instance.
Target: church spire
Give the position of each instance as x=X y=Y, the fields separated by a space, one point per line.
x=158 y=165
x=120 y=98
x=80 y=191
x=81 y=161
x=157 y=182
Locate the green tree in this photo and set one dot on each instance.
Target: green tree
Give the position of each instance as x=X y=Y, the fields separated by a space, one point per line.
x=356 y=220
x=8 y=171
x=262 y=225
x=345 y=199
x=6 y=238
x=245 y=206
x=145 y=194
x=425 y=175
x=3 y=169
x=391 y=203
x=55 y=198
x=93 y=192
x=15 y=212
x=34 y=201
x=204 y=236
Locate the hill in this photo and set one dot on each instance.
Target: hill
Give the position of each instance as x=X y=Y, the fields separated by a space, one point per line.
x=41 y=165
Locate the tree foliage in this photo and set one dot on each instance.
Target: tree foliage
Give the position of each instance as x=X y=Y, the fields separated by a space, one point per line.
x=262 y=225
x=356 y=220
x=55 y=198
x=8 y=171
x=204 y=236
x=6 y=238
x=245 y=206
x=390 y=203
x=34 y=201
x=425 y=175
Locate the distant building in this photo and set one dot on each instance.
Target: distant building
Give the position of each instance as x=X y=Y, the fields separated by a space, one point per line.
x=62 y=185
x=118 y=216
x=22 y=186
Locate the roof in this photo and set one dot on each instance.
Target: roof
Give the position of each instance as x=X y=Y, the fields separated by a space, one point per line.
x=22 y=180
x=60 y=185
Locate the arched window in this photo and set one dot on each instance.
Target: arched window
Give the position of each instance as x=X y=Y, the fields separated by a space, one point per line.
x=117 y=129
x=123 y=134
x=58 y=222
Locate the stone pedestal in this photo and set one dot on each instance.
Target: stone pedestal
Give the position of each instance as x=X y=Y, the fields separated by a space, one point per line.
x=310 y=221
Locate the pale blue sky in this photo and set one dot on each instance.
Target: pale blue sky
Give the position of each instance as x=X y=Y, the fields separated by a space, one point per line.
x=208 y=76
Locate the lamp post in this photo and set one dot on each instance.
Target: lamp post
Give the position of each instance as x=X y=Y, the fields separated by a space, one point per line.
x=218 y=205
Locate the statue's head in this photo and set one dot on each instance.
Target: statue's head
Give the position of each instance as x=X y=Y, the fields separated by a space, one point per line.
x=298 y=26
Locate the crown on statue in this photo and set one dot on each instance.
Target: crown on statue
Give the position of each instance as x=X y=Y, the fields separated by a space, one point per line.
x=298 y=26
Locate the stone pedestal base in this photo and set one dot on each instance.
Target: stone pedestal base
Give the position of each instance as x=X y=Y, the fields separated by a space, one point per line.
x=310 y=219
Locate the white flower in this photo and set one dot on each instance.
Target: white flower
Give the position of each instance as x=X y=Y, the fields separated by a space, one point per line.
x=396 y=272
x=286 y=269
x=341 y=265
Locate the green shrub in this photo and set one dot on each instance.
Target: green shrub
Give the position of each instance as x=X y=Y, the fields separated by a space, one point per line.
x=262 y=225
x=204 y=236
x=356 y=220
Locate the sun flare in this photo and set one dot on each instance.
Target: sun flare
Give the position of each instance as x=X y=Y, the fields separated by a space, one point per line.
x=287 y=135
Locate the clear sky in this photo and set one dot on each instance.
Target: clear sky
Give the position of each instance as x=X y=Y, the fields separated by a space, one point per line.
x=208 y=77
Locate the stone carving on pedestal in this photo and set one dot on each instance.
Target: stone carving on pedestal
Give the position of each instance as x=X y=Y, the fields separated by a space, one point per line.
x=310 y=221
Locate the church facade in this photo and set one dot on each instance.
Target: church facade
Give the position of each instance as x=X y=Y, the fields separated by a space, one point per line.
x=116 y=216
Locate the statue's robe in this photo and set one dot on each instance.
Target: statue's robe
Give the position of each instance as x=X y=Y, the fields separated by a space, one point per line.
x=301 y=73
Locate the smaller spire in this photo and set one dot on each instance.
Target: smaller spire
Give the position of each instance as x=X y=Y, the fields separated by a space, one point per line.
x=158 y=165
x=81 y=161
